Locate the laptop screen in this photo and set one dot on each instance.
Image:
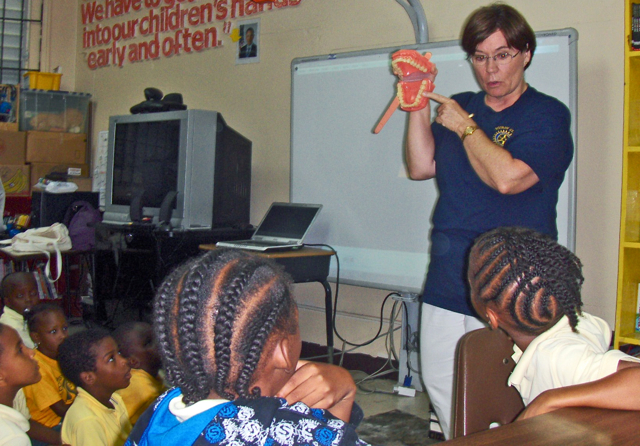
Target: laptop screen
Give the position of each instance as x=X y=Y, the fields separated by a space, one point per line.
x=287 y=221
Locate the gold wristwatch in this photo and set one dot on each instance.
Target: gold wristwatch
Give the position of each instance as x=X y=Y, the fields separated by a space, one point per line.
x=468 y=131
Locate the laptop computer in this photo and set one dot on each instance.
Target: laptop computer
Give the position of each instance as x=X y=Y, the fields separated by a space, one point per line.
x=283 y=227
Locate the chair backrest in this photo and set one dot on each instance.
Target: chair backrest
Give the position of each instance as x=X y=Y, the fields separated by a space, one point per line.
x=482 y=396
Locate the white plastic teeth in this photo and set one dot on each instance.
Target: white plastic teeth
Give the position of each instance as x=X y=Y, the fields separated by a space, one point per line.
x=416 y=102
x=411 y=62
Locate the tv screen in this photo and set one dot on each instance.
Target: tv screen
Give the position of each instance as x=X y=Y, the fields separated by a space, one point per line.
x=145 y=160
x=187 y=169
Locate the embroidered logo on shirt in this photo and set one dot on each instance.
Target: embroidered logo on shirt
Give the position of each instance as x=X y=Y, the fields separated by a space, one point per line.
x=501 y=135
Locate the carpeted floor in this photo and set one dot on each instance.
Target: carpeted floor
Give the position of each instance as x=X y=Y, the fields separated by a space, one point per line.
x=395 y=428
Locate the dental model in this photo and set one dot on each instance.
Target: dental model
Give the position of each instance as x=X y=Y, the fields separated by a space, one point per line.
x=415 y=73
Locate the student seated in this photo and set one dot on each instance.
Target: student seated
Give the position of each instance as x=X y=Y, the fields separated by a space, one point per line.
x=49 y=399
x=19 y=294
x=227 y=328
x=17 y=369
x=98 y=417
x=528 y=285
x=138 y=345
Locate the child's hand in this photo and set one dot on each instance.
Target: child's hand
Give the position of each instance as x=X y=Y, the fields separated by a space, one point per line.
x=321 y=386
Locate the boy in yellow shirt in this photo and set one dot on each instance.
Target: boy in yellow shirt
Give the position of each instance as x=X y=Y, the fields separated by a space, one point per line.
x=137 y=343
x=98 y=417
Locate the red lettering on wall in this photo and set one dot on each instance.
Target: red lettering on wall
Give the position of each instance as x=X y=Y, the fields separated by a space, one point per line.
x=169 y=26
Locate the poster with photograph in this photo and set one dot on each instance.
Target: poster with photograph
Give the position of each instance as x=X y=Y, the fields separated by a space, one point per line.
x=248 y=50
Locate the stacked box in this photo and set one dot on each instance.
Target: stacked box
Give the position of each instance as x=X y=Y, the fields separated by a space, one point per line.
x=51 y=147
x=13 y=169
x=54 y=111
x=40 y=170
x=85 y=184
x=12 y=147
x=16 y=180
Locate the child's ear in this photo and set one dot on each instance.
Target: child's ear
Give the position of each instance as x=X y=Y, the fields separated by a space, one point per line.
x=88 y=378
x=134 y=362
x=282 y=355
x=35 y=337
x=3 y=381
x=494 y=320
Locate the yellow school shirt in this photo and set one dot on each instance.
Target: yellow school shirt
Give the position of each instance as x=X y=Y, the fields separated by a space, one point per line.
x=53 y=387
x=16 y=321
x=89 y=422
x=142 y=391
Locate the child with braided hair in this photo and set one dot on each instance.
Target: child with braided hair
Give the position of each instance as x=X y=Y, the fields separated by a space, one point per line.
x=528 y=285
x=226 y=324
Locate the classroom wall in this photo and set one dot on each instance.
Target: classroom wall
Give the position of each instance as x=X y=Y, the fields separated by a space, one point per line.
x=255 y=99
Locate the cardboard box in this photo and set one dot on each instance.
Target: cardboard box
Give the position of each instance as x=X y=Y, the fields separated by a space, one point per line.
x=39 y=170
x=13 y=147
x=16 y=180
x=58 y=148
x=85 y=184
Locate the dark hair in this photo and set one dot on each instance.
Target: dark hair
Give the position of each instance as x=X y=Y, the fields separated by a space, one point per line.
x=9 y=282
x=34 y=316
x=122 y=336
x=498 y=17
x=213 y=316
x=76 y=354
x=529 y=275
x=2 y=327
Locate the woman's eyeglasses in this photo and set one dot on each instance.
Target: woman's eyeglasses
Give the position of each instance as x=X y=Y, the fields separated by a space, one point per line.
x=501 y=58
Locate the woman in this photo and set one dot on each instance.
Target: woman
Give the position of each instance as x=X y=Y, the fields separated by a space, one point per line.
x=499 y=157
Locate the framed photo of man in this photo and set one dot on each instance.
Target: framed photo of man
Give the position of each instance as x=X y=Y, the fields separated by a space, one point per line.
x=248 y=50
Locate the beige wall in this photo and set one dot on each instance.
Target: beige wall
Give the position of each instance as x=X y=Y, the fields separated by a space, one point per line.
x=59 y=33
x=255 y=99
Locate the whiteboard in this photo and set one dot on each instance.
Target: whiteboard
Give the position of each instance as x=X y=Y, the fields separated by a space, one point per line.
x=376 y=218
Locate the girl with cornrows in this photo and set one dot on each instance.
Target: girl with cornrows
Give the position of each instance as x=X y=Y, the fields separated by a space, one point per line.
x=227 y=327
x=528 y=285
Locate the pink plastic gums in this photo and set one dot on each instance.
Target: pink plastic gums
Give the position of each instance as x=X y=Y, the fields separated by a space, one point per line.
x=415 y=72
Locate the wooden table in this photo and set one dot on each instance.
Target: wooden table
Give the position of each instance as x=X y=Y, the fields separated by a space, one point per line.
x=569 y=426
x=305 y=265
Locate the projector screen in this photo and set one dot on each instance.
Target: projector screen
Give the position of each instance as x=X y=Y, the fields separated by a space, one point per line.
x=376 y=218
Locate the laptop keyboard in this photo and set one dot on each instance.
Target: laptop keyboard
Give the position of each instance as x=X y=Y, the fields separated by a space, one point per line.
x=262 y=243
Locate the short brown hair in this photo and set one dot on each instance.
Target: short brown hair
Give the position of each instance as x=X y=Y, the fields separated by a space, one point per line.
x=498 y=17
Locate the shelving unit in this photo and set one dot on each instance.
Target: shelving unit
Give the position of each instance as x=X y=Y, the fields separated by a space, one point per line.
x=629 y=261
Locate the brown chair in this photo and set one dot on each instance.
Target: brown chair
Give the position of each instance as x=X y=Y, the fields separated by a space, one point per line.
x=482 y=396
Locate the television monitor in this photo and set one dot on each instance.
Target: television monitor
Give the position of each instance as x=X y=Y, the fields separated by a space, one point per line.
x=185 y=168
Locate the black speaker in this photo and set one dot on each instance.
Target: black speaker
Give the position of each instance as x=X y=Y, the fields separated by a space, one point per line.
x=136 y=205
x=167 y=206
x=47 y=208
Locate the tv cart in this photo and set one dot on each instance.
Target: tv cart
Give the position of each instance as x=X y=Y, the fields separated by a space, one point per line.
x=132 y=260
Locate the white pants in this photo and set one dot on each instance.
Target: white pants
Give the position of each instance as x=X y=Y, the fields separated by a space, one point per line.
x=440 y=331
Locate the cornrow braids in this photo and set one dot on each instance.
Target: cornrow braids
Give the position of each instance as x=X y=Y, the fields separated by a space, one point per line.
x=527 y=274
x=213 y=317
x=166 y=325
